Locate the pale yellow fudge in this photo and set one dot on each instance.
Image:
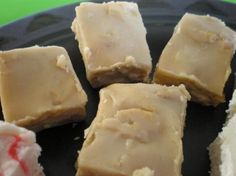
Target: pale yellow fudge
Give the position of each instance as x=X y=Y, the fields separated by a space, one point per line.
x=112 y=41
x=137 y=131
x=198 y=55
x=39 y=88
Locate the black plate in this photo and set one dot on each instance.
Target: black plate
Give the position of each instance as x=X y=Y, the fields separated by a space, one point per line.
x=60 y=144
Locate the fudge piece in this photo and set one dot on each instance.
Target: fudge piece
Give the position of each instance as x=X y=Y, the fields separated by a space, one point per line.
x=222 y=151
x=198 y=55
x=39 y=88
x=112 y=41
x=134 y=135
x=19 y=152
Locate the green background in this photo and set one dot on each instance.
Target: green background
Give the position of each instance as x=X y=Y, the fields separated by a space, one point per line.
x=11 y=10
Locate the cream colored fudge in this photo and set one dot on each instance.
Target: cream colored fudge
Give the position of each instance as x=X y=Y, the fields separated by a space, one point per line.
x=136 y=135
x=198 y=55
x=39 y=88
x=222 y=151
x=112 y=41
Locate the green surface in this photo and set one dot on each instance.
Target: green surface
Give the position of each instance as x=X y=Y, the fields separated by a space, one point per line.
x=232 y=1
x=11 y=10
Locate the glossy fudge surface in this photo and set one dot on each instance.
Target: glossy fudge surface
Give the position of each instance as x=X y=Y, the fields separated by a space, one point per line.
x=112 y=41
x=198 y=55
x=132 y=134
x=39 y=87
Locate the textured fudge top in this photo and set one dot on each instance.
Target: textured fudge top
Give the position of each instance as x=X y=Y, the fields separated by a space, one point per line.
x=18 y=152
x=201 y=48
x=111 y=33
x=36 y=80
x=144 y=131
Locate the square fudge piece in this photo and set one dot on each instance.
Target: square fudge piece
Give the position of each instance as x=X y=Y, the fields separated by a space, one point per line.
x=133 y=135
x=112 y=40
x=198 y=55
x=39 y=88
x=19 y=152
